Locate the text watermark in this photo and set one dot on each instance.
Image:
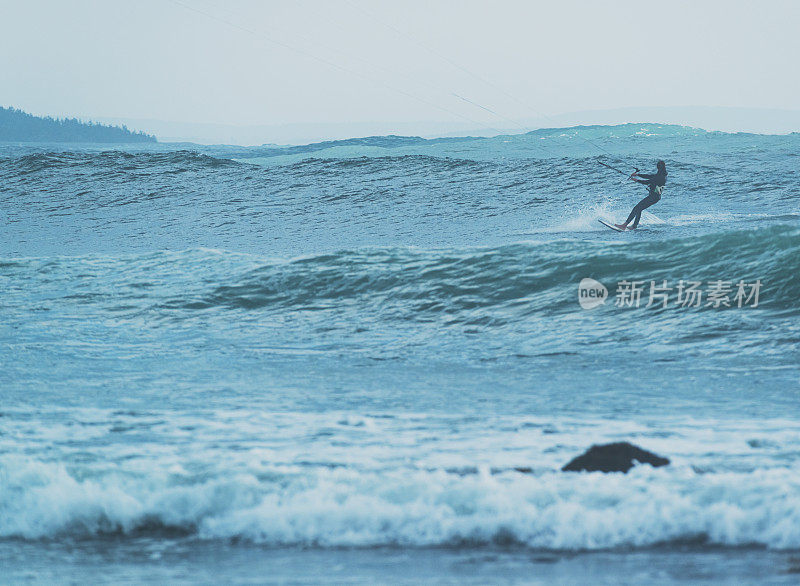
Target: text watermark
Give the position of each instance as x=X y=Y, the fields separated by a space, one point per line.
x=686 y=293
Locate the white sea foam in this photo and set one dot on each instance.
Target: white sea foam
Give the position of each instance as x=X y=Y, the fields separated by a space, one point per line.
x=348 y=507
x=358 y=479
x=584 y=217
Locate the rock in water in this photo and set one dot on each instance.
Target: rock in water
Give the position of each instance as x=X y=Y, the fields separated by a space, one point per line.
x=616 y=457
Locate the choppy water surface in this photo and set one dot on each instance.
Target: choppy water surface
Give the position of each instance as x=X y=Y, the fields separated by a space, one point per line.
x=378 y=343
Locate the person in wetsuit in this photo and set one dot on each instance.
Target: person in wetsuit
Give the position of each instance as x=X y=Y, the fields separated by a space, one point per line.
x=656 y=184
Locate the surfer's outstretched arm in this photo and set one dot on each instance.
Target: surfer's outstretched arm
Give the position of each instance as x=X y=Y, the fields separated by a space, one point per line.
x=644 y=179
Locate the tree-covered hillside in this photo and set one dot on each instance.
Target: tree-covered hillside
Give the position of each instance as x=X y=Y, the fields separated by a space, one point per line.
x=19 y=126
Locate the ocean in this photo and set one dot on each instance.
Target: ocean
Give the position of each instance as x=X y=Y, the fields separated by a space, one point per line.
x=365 y=361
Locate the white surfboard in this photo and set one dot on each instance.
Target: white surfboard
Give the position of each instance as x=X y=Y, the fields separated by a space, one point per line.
x=608 y=224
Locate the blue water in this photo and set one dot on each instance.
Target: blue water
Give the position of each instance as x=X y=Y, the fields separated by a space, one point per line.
x=377 y=344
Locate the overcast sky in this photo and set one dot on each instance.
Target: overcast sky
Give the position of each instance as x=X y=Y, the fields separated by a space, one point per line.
x=248 y=62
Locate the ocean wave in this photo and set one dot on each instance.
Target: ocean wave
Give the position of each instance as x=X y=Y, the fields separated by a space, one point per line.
x=624 y=140
x=622 y=131
x=346 y=507
x=526 y=275
x=561 y=134
x=410 y=163
x=119 y=160
x=402 y=302
x=381 y=142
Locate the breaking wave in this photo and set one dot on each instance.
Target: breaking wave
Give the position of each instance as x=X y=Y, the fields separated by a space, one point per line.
x=453 y=280
x=345 y=507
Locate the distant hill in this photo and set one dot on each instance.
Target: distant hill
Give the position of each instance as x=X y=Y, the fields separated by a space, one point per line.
x=726 y=119
x=19 y=126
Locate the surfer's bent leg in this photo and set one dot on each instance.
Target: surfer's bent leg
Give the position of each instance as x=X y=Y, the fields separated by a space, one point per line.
x=636 y=213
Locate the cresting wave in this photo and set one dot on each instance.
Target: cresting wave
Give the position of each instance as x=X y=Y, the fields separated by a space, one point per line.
x=465 y=279
x=109 y=161
x=560 y=136
x=525 y=277
x=546 y=142
x=433 y=301
x=333 y=507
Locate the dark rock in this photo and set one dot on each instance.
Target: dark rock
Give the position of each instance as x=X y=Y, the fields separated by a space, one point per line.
x=616 y=457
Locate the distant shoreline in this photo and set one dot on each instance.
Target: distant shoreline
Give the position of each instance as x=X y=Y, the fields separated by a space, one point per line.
x=19 y=126
x=723 y=119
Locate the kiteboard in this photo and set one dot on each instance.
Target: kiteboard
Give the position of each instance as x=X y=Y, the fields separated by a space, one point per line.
x=608 y=224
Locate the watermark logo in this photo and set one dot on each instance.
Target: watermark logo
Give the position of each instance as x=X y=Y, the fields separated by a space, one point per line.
x=591 y=293
x=715 y=294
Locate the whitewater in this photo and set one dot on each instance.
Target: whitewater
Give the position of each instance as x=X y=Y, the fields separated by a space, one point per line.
x=367 y=358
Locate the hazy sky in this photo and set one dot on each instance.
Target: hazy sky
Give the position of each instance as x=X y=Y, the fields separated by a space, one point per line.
x=272 y=62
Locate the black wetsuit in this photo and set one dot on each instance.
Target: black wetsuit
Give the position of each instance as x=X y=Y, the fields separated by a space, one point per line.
x=656 y=184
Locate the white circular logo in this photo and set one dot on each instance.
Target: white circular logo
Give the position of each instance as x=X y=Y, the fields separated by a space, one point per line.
x=591 y=293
